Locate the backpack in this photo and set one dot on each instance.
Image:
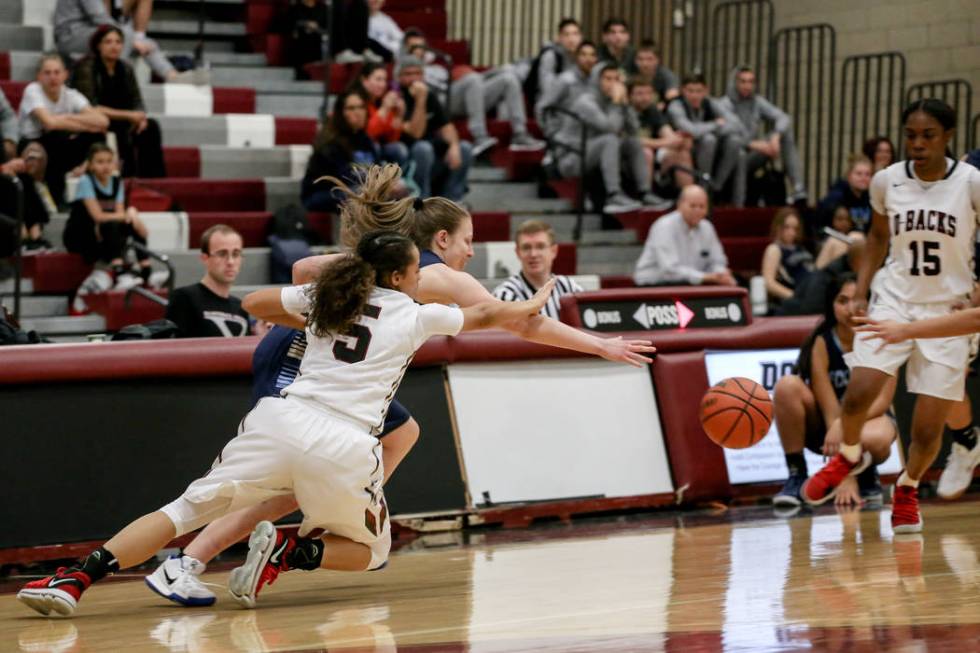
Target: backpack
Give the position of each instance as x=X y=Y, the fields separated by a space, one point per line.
x=291 y=223
x=530 y=86
x=11 y=335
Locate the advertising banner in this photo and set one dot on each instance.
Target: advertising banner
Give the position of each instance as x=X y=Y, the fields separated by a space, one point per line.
x=691 y=312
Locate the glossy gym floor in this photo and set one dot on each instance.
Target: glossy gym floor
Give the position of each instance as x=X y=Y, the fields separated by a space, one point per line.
x=736 y=580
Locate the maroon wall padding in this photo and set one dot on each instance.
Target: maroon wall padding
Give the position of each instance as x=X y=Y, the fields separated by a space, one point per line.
x=745 y=254
x=491 y=226
x=233 y=100
x=322 y=224
x=182 y=161
x=569 y=303
x=4 y=65
x=616 y=281
x=55 y=272
x=431 y=20
x=211 y=195
x=259 y=15
x=459 y=50
x=112 y=306
x=695 y=461
x=567 y=260
x=565 y=188
x=14 y=91
x=295 y=131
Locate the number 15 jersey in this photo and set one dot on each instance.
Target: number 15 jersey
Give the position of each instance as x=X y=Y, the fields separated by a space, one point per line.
x=932 y=227
x=356 y=376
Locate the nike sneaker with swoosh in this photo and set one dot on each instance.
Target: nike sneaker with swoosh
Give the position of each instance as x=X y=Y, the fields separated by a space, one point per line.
x=59 y=593
x=177 y=579
x=267 y=551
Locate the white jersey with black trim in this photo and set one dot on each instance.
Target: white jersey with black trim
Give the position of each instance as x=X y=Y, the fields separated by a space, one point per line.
x=932 y=228
x=356 y=376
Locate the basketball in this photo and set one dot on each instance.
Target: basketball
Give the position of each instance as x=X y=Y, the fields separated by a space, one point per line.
x=736 y=413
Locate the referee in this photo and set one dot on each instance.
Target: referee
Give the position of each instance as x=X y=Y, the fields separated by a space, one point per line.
x=537 y=249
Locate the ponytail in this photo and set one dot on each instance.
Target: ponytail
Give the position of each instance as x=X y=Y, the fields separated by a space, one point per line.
x=369 y=207
x=342 y=290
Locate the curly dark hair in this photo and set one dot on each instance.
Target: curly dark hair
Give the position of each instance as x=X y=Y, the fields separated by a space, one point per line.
x=342 y=289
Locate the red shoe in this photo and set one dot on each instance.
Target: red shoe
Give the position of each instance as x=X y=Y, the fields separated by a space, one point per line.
x=60 y=592
x=905 y=510
x=822 y=486
x=267 y=551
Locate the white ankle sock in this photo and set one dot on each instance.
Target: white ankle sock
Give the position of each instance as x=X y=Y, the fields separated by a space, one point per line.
x=851 y=451
x=904 y=479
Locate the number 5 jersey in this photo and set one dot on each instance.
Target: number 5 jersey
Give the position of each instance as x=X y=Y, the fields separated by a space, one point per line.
x=355 y=376
x=932 y=228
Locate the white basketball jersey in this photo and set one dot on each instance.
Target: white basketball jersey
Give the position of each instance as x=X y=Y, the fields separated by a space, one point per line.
x=356 y=376
x=932 y=227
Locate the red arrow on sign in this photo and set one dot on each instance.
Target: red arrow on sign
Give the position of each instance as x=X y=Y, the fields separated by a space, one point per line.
x=684 y=314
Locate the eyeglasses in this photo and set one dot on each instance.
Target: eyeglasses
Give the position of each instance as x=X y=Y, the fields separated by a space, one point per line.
x=225 y=254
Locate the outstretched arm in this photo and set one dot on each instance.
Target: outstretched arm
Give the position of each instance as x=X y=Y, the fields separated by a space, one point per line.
x=266 y=304
x=490 y=314
x=962 y=323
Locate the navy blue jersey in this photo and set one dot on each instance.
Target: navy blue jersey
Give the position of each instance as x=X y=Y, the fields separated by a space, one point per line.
x=428 y=257
x=837 y=369
x=276 y=362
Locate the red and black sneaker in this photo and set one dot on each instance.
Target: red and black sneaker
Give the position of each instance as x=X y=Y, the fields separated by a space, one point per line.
x=905 y=510
x=59 y=593
x=822 y=486
x=266 y=559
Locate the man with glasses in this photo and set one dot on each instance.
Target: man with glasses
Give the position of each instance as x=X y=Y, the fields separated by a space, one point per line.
x=206 y=309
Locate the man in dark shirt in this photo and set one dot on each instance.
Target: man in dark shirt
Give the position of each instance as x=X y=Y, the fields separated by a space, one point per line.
x=646 y=61
x=662 y=145
x=616 y=46
x=442 y=161
x=207 y=309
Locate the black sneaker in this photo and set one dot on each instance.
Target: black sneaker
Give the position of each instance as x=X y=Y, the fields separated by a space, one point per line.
x=789 y=496
x=869 y=486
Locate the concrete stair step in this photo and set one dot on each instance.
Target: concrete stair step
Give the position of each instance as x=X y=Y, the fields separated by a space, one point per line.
x=231 y=58
x=284 y=104
x=64 y=325
x=491 y=191
x=487 y=173
x=562 y=223
x=176 y=44
x=519 y=205
x=246 y=75
x=608 y=253
x=600 y=237
x=7 y=289
x=21 y=37
x=39 y=306
x=284 y=86
x=190 y=27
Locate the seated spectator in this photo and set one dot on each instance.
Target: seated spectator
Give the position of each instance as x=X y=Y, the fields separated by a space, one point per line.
x=110 y=86
x=616 y=47
x=384 y=35
x=807 y=405
x=8 y=128
x=341 y=146
x=304 y=28
x=880 y=151
x=385 y=112
x=35 y=159
x=661 y=144
x=682 y=248
x=612 y=144
x=61 y=119
x=473 y=94
x=786 y=263
x=835 y=246
x=537 y=250
x=751 y=111
x=808 y=296
x=712 y=128
x=349 y=41
x=442 y=160
x=850 y=191
x=554 y=58
x=647 y=64
x=569 y=86
x=36 y=214
x=207 y=309
x=99 y=225
x=75 y=21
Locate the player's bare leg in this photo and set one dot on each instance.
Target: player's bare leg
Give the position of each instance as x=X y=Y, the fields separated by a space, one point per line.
x=964 y=454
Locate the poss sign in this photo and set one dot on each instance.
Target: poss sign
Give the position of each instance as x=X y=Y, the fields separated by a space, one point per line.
x=693 y=312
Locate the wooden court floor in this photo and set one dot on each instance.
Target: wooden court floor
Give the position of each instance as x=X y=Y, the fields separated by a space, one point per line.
x=742 y=580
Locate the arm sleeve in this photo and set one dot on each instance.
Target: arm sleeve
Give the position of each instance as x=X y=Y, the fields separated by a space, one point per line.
x=8 y=120
x=668 y=78
x=30 y=100
x=76 y=100
x=121 y=193
x=975 y=191
x=769 y=111
x=96 y=12
x=180 y=312
x=675 y=111
x=438 y=119
x=547 y=70
x=718 y=261
x=134 y=89
x=589 y=111
x=504 y=293
x=665 y=251
x=549 y=96
x=85 y=189
x=439 y=320
x=295 y=299
x=84 y=80
x=879 y=188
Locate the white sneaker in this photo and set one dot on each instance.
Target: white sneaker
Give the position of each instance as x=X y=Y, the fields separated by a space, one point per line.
x=178 y=580
x=958 y=472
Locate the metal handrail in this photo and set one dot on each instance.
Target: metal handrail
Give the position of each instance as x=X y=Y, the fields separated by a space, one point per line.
x=18 y=254
x=580 y=194
x=171 y=275
x=199 y=48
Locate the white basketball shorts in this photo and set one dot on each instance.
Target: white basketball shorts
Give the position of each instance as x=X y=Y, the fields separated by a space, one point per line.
x=291 y=446
x=936 y=366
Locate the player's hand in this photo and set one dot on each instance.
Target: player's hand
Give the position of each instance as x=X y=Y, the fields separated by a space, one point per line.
x=848 y=494
x=541 y=297
x=833 y=439
x=887 y=331
x=419 y=91
x=859 y=307
x=627 y=351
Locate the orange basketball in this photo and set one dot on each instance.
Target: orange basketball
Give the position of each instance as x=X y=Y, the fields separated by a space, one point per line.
x=736 y=413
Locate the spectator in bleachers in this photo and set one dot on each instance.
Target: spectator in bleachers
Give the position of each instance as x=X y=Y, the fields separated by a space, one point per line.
x=61 y=119
x=786 y=263
x=341 y=147
x=612 y=146
x=207 y=309
x=349 y=41
x=682 y=248
x=616 y=47
x=537 y=250
x=647 y=64
x=752 y=112
x=75 y=21
x=662 y=146
x=554 y=58
x=569 y=85
x=851 y=191
x=35 y=213
x=35 y=159
x=834 y=246
x=385 y=112
x=384 y=35
x=304 y=27
x=442 y=160
x=808 y=296
x=110 y=85
x=711 y=127
x=472 y=94
x=880 y=151
x=8 y=127
x=100 y=225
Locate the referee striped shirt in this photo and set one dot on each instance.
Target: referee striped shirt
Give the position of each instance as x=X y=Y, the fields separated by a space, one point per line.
x=517 y=289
